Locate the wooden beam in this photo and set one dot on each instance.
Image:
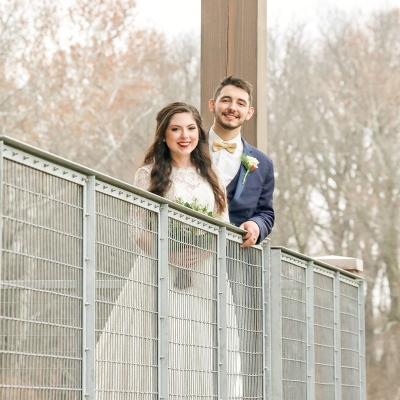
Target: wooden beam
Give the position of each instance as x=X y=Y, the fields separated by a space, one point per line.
x=234 y=42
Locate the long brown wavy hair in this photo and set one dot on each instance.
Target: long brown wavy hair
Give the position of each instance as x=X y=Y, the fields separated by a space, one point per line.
x=159 y=154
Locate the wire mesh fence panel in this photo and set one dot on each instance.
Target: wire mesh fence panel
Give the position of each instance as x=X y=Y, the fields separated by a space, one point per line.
x=126 y=300
x=171 y=302
x=324 y=335
x=41 y=292
x=244 y=322
x=294 y=331
x=350 y=340
x=192 y=311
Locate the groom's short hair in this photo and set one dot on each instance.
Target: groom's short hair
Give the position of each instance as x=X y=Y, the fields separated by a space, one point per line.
x=239 y=83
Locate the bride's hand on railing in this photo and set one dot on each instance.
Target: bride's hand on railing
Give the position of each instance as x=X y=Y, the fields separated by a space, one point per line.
x=188 y=257
x=186 y=261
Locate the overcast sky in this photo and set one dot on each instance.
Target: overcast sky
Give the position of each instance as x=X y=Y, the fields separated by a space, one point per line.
x=177 y=16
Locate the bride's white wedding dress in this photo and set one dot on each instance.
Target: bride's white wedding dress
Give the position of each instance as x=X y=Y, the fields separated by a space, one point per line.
x=193 y=295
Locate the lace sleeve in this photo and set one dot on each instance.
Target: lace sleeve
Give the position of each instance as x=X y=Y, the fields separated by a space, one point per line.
x=225 y=214
x=140 y=223
x=142 y=178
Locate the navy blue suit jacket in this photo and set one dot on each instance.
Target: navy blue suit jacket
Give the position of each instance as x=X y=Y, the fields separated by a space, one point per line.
x=253 y=200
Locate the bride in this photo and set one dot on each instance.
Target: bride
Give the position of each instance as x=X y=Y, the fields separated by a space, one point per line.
x=177 y=165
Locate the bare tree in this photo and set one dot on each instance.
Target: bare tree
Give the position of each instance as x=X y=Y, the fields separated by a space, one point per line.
x=84 y=83
x=334 y=126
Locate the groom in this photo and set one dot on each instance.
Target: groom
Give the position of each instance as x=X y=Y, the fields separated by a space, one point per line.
x=248 y=173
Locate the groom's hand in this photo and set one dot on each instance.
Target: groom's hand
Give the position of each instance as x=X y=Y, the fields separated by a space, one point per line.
x=253 y=231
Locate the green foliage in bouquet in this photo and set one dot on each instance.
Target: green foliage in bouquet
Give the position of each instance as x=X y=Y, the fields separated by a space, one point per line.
x=195 y=206
x=186 y=234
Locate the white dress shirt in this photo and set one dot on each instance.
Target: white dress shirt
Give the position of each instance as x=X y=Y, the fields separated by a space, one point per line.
x=228 y=163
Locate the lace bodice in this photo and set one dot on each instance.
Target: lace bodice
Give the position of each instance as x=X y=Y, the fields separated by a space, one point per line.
x=187 y=184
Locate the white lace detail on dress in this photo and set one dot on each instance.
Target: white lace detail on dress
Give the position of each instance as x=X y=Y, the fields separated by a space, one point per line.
x=142 y=178
x=187 y=184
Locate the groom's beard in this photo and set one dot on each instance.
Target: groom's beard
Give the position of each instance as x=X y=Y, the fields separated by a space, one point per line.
x=229 y=126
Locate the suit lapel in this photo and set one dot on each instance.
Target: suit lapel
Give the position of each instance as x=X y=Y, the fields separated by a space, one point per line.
x=242 y=172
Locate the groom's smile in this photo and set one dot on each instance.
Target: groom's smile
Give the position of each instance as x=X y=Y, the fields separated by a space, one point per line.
x=230 y=116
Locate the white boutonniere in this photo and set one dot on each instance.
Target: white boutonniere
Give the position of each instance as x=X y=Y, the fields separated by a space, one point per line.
x=250 y=163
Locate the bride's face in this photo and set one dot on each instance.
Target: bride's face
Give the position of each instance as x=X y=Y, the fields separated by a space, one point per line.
x=182 y=137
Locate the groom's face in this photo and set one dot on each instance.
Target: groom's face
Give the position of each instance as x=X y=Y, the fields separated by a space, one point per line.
x=231 y=108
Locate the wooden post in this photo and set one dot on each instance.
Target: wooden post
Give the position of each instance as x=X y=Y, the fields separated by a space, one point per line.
x=234 y=42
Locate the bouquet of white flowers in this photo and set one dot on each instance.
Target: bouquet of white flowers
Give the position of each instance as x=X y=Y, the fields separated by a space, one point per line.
x=186 y=239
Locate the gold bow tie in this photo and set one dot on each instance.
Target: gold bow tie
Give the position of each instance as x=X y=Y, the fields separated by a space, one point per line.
x=218 y=145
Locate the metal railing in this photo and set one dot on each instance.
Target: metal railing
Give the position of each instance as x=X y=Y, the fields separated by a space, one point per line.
x=109 y=292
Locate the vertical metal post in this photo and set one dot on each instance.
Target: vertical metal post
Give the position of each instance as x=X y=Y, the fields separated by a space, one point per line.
x=310 y=332
x=163 y=305
x=337 y=334
x=276 y=324
x=361 y=316
x=221 y=316
x=266 y=265
x=89 y=290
